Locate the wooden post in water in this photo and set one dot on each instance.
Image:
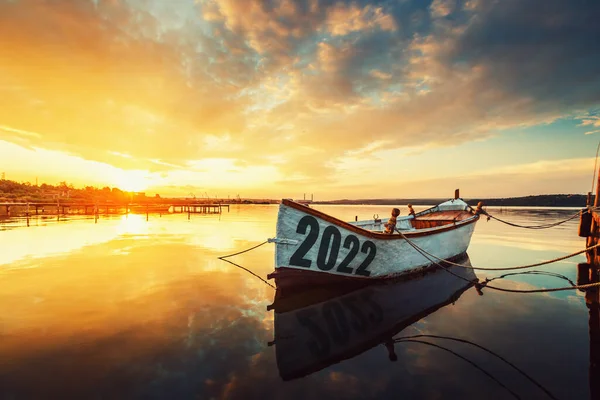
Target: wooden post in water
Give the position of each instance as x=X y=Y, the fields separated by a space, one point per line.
x=456 y=194
x=592 y=303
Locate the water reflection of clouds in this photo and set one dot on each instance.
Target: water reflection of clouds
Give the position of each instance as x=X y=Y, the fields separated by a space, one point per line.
x=162 y=317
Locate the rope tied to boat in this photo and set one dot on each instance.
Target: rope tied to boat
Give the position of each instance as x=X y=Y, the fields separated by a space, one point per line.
x=465 y=341
x=224 y=258
x=421 y=250
x=543 y=226
x=481 y=285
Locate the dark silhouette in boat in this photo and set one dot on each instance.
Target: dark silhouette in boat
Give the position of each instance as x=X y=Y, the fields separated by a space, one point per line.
x=320 y=326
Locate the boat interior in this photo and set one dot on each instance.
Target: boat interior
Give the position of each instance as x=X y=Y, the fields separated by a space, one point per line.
x=431 y=218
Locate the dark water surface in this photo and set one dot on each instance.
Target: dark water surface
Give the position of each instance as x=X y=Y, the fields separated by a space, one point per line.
x=126 y=308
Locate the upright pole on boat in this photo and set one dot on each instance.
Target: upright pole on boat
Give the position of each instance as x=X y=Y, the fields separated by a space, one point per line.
x=456 y=193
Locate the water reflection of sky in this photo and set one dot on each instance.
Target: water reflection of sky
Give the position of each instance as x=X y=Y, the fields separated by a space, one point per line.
x=129 y=308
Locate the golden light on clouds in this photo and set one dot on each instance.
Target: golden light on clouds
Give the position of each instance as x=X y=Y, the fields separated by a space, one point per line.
x=274 y=99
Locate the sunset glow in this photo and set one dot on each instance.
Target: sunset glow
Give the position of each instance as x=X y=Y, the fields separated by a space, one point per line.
x=343 y=99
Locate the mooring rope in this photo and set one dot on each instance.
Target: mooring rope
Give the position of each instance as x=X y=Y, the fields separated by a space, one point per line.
x=462 y=358
x=421 y=250
x=243 y=251
x=484 y=349
x=547 y=273
x=223 y=258
x=542 y=226
x=484 y=284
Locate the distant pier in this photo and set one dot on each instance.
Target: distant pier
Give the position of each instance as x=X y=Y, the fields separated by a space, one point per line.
x=200 y=208
x=98 y=208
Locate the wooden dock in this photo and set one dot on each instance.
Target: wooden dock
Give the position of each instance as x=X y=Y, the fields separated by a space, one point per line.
x=200 y=208
x=96 y=208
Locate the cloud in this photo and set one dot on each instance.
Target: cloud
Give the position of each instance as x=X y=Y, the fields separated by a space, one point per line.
x=442 y=8
x=343 y=19
x=307 y=81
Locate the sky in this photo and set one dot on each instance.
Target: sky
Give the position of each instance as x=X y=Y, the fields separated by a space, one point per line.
x=277 y=98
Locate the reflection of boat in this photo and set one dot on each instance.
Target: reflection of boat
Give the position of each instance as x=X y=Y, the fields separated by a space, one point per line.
x=313 y=247
x=314 y=330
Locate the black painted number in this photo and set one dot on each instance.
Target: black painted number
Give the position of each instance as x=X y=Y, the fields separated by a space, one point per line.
x=329 y=248
x=332 y=236
x=298 y=257
x=370 y=250
x=351 y=243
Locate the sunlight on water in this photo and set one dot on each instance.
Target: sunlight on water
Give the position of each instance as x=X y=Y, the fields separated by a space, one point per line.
x=132 y=308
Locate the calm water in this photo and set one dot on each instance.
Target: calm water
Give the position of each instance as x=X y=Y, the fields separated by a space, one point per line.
x=125 y=308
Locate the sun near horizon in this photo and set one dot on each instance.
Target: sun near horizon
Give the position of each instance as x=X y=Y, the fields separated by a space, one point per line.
x=343 y=99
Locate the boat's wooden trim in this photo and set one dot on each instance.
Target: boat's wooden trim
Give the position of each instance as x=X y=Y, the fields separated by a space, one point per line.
x=289 y=277
x=376 y=235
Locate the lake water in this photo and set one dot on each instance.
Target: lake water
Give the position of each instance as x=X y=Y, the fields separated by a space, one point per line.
x=129 y=308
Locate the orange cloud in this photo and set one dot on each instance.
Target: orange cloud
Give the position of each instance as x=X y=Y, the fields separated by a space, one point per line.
x=343 y=19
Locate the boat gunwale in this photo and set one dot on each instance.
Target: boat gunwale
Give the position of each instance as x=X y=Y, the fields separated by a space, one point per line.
x=378 y=235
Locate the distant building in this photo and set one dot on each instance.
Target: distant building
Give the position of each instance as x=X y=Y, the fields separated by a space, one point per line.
x=305 y=201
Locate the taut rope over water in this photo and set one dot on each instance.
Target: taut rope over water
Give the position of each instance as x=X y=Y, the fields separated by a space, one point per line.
x=484 y=284
x=223 y=258
x=424 y=252
x=543 y=226
x=403 y=338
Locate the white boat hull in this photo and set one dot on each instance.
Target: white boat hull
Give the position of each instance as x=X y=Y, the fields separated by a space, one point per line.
x=310 y=241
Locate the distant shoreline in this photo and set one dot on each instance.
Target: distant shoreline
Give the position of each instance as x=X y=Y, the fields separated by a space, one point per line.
x=16 y=192
x=554 y=200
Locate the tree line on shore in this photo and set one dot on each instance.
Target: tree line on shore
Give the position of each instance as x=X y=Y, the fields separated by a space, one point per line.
x=12 y=191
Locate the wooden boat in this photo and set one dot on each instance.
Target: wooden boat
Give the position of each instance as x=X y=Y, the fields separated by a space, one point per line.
x=315 y=248
x=314 y=331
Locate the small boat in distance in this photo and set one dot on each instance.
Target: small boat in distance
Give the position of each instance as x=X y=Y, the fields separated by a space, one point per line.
x=312 y=247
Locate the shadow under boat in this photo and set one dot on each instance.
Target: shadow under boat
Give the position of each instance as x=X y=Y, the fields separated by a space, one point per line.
x=318 y=327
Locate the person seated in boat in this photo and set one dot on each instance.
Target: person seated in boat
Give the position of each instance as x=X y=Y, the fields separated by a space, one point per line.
x=391 y=224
